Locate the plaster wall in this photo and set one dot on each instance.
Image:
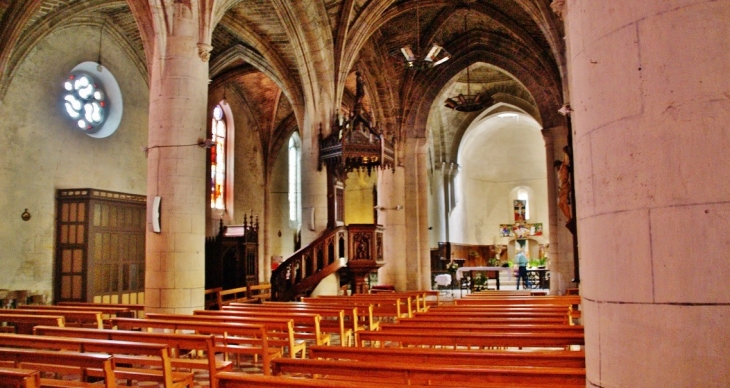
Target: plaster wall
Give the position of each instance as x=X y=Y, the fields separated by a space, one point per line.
x=43 y=152
x=495 y=161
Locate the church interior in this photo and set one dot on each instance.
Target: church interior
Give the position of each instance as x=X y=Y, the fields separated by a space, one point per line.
x=161 y=152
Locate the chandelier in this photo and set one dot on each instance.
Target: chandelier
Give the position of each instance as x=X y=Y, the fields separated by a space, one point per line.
x=467 y=102
x=436 y=54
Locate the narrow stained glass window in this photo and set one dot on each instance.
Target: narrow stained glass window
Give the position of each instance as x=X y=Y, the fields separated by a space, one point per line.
x=295 y=184
x=218 y=159
x=522 y=194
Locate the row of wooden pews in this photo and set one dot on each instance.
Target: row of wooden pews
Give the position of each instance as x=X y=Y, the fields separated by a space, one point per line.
x=513 y=343
x=400 y=339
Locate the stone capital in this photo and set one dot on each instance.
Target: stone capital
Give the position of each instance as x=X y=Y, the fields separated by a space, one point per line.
x=558 y=6
x=204 y=50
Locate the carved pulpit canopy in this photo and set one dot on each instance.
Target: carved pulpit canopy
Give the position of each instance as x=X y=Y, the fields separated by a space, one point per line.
x=355 y=142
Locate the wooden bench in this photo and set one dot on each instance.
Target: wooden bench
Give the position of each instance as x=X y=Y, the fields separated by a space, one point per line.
x=241 y=380
x=106 y=311
x=478 y=327
x=360 y=317
x=20 y=378
x=438 y=375
x=279 y=330
x=564 y=317
x=468 y=339
x=371 y=313
x=155 y=353
x=563 y=359
x=231 y=338
x=213 y=298
x=387 y=304
x=61 y=363
x=566 y=300
x=137 y=310
x=78 y=318
x=24 y=323
x=177 y=344
x=332 y=320
x=260 y=292
x=306 y=325
x=486 y=320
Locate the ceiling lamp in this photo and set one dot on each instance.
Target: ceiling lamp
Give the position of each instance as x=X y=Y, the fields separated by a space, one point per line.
x=435 y=56
x=467 y=102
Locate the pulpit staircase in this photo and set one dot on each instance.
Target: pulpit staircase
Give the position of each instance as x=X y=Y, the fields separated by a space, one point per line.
x=300 y=273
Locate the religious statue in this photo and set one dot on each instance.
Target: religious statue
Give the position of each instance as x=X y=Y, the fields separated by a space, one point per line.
x=564 y=188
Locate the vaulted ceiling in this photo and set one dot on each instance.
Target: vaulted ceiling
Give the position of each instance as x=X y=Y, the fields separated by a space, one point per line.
x=264 y=51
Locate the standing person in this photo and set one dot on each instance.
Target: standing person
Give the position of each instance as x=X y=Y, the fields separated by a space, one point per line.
x=521 y=260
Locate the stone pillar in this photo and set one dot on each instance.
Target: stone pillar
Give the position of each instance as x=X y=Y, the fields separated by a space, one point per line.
x=560 y=251
x=175 y=262
x=391 y=191
x=449 y=171
x=418 y=259
x=314 y=185
x=649 y=85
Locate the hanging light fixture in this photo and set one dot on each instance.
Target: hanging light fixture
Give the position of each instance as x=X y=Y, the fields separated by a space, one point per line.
x=467 y=102
x=436 y=54
x=99 y=67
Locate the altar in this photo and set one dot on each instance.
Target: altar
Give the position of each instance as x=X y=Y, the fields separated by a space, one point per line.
x=491 y=272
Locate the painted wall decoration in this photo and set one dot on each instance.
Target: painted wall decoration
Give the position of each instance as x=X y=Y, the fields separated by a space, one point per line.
x=520 y=230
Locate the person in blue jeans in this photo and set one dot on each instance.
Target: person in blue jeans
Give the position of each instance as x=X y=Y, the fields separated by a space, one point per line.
x=521 y=260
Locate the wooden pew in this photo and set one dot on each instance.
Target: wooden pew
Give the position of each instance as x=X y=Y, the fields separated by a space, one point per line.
x=376 y=311
x=24 y=323
x=61 y=363
x=566 y=300
x=486 y=320
x=238 y=294
x=154 y=353
x=213 y=299
x=77 y=318
x=137 y=310
x=564 y=317
x=359 y=317
x=106 y=311
x=434 y=375
x=279 y=330
x=177 y=343
x=307 y=326
x=562 y=359
x=332 y=320
x=456 y=339
x=20 y=378
x=404 y=305
x=241 y=380
x=236 y=338
x=259 y=292
x=494 y=328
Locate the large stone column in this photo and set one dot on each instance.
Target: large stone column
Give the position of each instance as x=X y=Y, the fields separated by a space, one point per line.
x=650 y=92
x=175 y=262
x=418 y=257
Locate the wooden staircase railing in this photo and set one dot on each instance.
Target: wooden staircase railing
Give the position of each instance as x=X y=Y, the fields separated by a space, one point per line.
x=300 y=273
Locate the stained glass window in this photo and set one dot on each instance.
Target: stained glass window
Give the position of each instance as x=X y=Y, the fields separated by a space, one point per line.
x=522 y=194
x=295 y=184
x=85 y=101
x=218 y=159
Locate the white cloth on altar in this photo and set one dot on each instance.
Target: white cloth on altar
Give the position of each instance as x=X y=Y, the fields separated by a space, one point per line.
x=460 y=271
x=443 y=279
